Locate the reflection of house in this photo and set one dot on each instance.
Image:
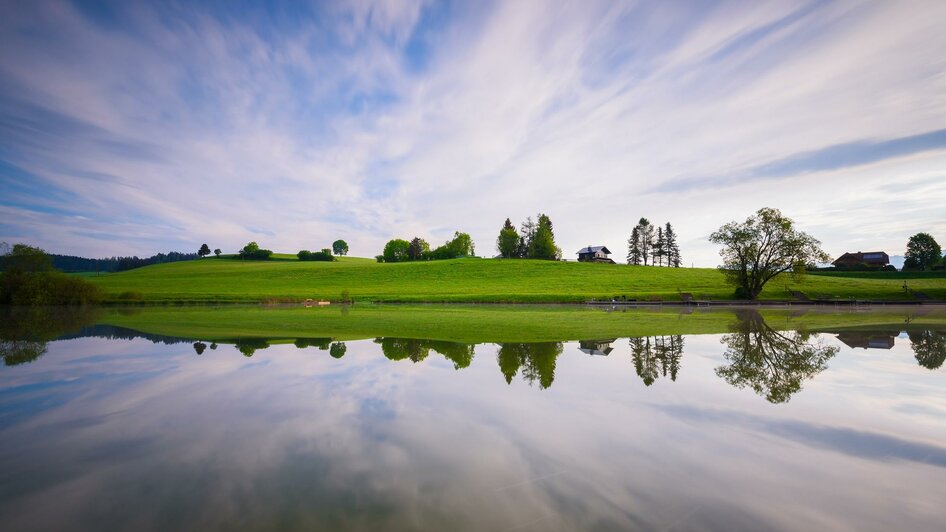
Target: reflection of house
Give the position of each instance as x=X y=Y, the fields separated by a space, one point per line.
x=595 y=254
x=867 y=340
x=870 y=258
x=595 y=347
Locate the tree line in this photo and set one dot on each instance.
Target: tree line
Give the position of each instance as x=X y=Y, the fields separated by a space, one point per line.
x=70 y=263
x=534 y=240
x=417 y=249
x=647 y=246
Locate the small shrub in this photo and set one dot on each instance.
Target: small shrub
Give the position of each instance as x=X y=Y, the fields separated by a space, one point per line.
x=130 y=295
x=324 y=256
x=379 y=258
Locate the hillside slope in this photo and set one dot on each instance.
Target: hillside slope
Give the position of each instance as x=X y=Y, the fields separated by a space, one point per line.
x=466 y=280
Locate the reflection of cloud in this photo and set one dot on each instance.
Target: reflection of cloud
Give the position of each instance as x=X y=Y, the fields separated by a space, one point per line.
x=296 y=437
x=863 y=444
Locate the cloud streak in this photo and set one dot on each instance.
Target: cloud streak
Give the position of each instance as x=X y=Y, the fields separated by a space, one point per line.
x=168 y=126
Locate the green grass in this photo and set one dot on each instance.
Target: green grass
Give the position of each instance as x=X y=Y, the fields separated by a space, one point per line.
x=489 y=323
x=471 y=280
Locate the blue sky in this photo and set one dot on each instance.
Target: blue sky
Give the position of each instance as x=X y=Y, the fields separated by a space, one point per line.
x=133 y=128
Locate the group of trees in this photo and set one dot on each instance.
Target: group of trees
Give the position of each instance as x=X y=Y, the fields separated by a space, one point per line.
x=339 y=247
x=654 y=247
x=205 y=250
x=400 y=250
x=923 y=253
x=320 y=256
x=28 y=278
x=252 y=251
x=534 y=240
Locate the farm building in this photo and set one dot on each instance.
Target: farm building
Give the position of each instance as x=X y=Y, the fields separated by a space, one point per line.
x=595 y=254
x=870 y=258
x=596 y=347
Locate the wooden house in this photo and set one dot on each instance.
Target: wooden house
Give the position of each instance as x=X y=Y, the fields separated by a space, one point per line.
x=595 y=254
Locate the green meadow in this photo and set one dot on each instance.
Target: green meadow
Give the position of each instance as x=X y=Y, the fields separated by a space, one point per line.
x=491 y=323
x=220 y=280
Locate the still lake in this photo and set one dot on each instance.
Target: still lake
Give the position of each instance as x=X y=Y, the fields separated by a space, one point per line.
x=835 y=425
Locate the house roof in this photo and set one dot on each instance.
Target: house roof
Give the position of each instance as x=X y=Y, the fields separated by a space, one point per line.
x=865 y=256
x=594 y=249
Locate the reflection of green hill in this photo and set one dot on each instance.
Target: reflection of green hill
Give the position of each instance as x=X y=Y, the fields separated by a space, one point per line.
x=489 y=323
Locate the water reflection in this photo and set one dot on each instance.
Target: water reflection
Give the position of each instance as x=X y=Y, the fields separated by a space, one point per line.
x=127 y=432
x=929 y=347
x=773 y=363
x=25 y=332
x=657 y=355
x=535 y=360
x=415 y=350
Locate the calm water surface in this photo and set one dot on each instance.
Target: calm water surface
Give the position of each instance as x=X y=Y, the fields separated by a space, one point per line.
x=751 y=430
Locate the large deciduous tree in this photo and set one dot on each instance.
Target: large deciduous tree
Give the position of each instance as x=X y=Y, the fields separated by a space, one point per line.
x=923 y=252
x=763 y=246
x=203 y=251
x=340 y=247
x=396 y=250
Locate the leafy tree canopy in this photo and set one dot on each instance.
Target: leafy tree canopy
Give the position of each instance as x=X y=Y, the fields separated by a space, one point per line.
x=340 y=247
x=923 y=252
x=763 y=246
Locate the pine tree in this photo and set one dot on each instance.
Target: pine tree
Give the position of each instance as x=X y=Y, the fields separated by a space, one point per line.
x=671 y=247
x=508 y=241
x=543 y=241
x=645 y=239
x=526 y=236
x=634 y=248
x=660 y=248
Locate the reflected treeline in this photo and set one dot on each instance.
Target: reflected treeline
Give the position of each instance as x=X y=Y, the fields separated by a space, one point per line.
x=773 y=363
x=416 y=350
x=535 y=360
x=656 y=356
x=335 y=349
x=26 y=331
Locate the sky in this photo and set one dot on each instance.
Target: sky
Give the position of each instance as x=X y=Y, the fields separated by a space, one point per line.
x=129 y=128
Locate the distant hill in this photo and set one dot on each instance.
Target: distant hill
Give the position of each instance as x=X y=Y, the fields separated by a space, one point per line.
x=73 y=264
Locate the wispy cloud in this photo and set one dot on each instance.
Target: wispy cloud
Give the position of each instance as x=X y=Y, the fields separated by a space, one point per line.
x=368 y=120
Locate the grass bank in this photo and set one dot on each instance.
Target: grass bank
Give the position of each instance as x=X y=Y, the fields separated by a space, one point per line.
x=468 y=280
x=492 y=323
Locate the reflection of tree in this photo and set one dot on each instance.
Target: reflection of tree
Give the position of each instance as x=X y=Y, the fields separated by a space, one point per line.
x=16 y=352
x=416 y=350
x=460 y=354
x=321 y=343
x=24 y=332
x=248 y=346
x=929 y=347
x=337 y=350
x=657 y=355
x=537 y=361
x=772 y=363
x=403 y=348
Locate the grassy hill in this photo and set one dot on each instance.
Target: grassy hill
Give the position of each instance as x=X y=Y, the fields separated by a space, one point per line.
x=469 y=280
